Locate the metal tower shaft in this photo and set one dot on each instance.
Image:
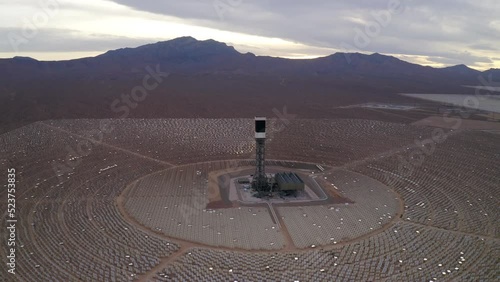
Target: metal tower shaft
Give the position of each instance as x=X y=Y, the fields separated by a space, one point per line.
x=260 y=177
x=260 y=182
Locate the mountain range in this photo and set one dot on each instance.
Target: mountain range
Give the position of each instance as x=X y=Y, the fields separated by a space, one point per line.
x=186 y=55
x=205 y=72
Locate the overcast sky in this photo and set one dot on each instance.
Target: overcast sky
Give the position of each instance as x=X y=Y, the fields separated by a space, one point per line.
x=429 y=32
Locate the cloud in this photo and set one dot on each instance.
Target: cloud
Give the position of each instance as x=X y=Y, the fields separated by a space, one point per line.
x=63 y=40
x=484 y=46
x=453 y=26
x=445 y=32
x=466 y=59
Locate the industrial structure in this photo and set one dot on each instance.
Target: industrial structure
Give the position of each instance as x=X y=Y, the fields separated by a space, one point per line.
x=260 y=182
x=289 y=182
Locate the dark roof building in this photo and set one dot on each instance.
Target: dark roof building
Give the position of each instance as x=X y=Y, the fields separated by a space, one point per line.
x=289 y=181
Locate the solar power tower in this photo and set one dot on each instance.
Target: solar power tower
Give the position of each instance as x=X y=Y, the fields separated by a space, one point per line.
x=259 y=178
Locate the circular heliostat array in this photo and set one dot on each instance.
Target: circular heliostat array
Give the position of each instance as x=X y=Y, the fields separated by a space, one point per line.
x=176 y=202
x=146 y=200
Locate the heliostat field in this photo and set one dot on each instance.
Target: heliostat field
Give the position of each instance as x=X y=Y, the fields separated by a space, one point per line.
x=139 y=199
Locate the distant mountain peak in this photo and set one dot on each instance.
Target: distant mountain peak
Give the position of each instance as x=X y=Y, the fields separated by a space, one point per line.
x=461 y=69
x=460 y=66
x=181 y=48
x=21 y=58
x=184 y=38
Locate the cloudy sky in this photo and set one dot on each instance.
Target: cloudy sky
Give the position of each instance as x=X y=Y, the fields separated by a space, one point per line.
x=429 y=32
